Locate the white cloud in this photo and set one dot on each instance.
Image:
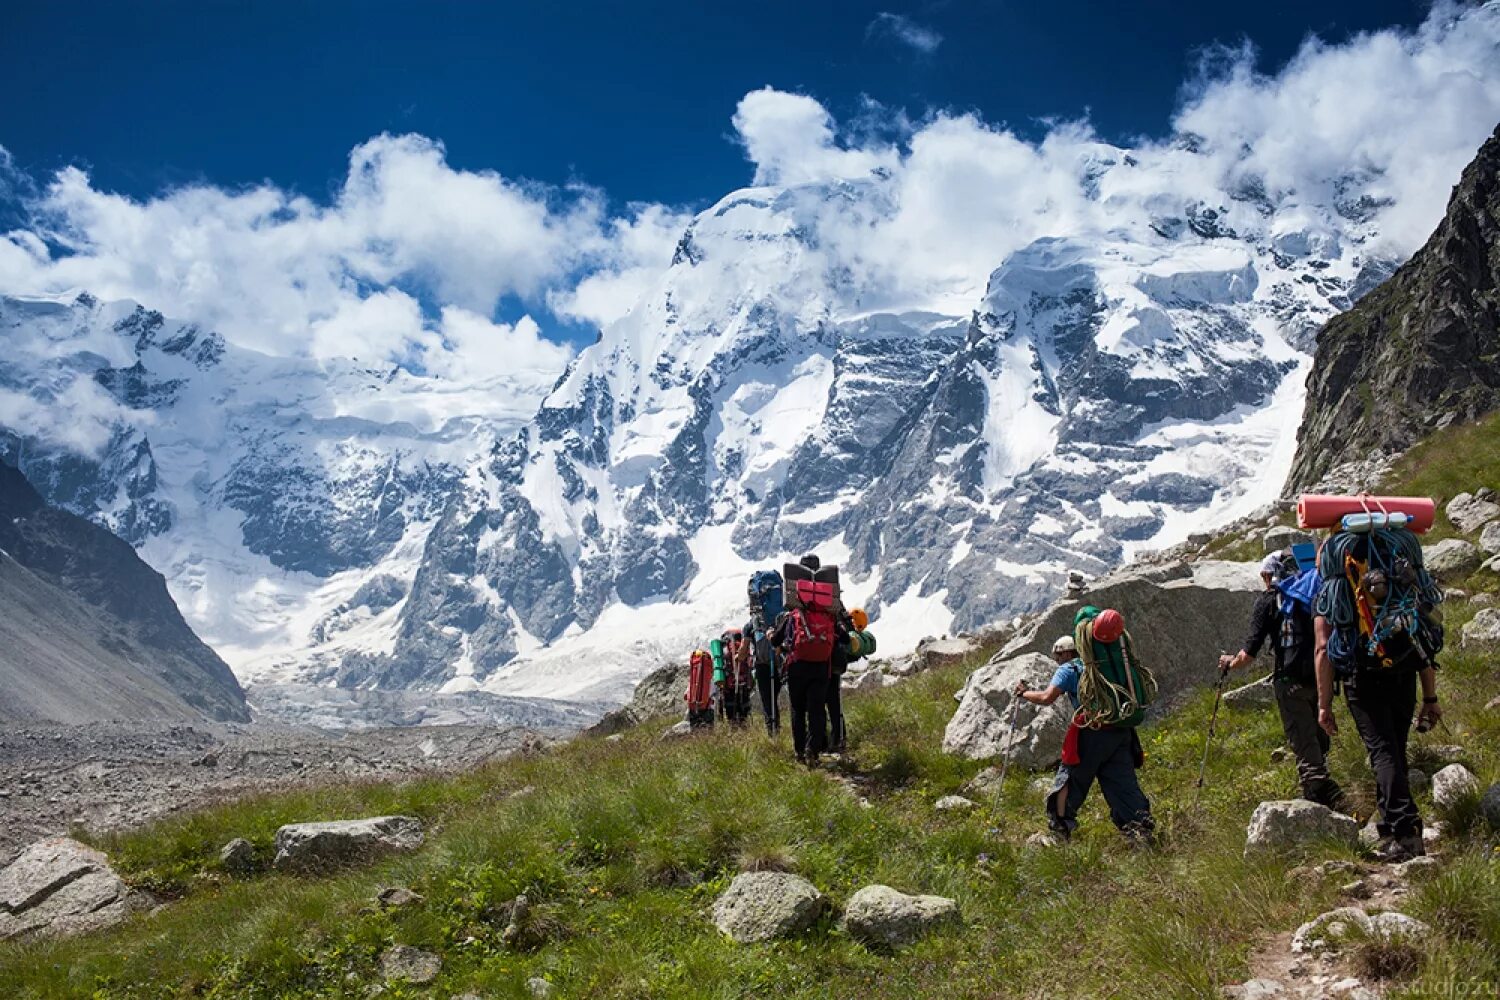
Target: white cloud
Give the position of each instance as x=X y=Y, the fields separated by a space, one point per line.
x=78 y=416
x=790 y=139
x=641 y=248
x=904 y=30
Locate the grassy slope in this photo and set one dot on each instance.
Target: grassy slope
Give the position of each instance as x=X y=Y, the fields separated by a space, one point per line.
x=623 y=845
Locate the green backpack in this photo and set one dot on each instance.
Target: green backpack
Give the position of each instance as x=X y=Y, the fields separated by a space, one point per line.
x=1114 y=688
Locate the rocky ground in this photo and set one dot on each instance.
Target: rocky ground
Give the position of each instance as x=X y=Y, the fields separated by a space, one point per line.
x=54 y=779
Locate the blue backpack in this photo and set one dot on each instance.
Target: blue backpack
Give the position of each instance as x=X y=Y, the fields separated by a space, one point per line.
x=767 y=599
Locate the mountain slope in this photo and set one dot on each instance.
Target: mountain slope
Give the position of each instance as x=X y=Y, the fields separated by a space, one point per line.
x=88 y=631
x=1419 y=352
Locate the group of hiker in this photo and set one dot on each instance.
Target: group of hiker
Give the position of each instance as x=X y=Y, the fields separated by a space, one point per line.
x=799 y=637
x=1355 y=613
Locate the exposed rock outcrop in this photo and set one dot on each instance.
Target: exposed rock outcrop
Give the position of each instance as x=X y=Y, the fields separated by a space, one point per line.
x=61 y=887
x=1295 y=823
x=759 y=906
x=320 y=846
x=880 y=915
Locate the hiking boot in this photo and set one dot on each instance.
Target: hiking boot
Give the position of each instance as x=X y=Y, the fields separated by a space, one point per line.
x=1395 y=850
x=802 y=758
x=1051 y=838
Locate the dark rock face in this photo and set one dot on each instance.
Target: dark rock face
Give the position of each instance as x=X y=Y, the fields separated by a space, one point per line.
x=1421 y=349
x=90 y=632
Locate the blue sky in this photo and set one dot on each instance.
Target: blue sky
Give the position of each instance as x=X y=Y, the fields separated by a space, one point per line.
x=635 y=99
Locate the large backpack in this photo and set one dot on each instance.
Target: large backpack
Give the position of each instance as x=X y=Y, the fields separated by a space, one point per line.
x=1114 y=687
x=767 y=599
x=1378 y=599
x=811 y=634
x=700 y=692
x=1296 y=594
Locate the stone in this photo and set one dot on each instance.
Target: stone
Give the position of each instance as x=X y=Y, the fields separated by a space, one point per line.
x=1256 y=989
x=954 y=803
x=403 y=963
x=1295 y=823
x=1452 y=558
x=1482 y=630
x=1468 y=513
x=760 y=906
x=1326 y=931
x=882 y=916
x=1417 y=869
x=1489 y=538
x=934 y=653
x=1491 y=565
x=1282 y=537
x=1280 y=755
x=1489 y=806
x=58 y=887
x=1493 y=705
x=1483 y=600
x=1358 y=889
x=677 y=731
x=540 y=989
x=985 y=783
x=396 y=896
x=1418 y=780
x=1452 y=785
x=320 y=846
x=1045 y=838
x=983 y=727
x=238 y=856
x=1256 y=694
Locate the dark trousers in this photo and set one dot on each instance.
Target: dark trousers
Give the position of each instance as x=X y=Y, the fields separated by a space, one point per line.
x=1298 y=704
x=835 y=707
x=1108 y=755
x=807 y=684
x=768 y=682
x=1382 y=706
x=735 y=704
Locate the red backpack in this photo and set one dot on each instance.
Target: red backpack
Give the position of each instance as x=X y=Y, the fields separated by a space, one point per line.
x=812 y=635
x=700 y=693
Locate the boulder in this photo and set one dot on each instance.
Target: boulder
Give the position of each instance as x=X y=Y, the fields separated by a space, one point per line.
x=1256 y=989
x=238 y=856
x=396 y=896
x=1283 y=536
x=759 y=906
x=1330 y=931
x=954 y=803
x=934 y=653
x=1452 y=785
x=58 y=887
x=1451 y=559
x=985 y=783
x=1483 y=629
x=677 y=731
x=879 y=915
x=1489 y=805
x=661 y=692
x=1293 y=823
x=1418 y=869
x=979 y=729
x=1181 y=615
x=403 y=963
x=1489 y=538
x=320 y=846
x=1468 y=513
x=1257 y=694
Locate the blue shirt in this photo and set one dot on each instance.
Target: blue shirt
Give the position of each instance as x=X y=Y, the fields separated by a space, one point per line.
x=1066 y=678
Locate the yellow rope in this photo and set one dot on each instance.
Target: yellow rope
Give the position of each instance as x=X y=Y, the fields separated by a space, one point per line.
x=1103 y=701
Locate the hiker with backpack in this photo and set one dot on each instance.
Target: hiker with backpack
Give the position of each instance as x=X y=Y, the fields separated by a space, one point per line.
x=1377 y=636
x=732 y=677
x=1109 y=689
x=767 y=601
x=700 y=692
x=806 y=633
x=1283 y=617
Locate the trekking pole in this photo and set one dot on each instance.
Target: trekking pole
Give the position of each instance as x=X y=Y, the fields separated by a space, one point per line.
x=1010 y=732
x=1209 y=738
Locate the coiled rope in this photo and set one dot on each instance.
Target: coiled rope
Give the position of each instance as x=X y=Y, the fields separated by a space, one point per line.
x=1102 y=701
x=1338 y=601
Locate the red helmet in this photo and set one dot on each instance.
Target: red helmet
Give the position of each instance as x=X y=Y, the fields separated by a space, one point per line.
x=1108 y=625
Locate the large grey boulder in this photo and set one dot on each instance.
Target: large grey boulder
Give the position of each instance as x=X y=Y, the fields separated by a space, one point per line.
x=1181 y=616
x=979 y=730
x=58 y=887
x=1469 y=513
x=1489 y=805
x=1283 y=536
x=1489 y=538
x=879 y=915
x=933 y=653
x=319 y=846
x=1294 y=823
x=1483 y=629
x=661 y=692
x=1452 y=785
x=1451 y=559
x=759 y=906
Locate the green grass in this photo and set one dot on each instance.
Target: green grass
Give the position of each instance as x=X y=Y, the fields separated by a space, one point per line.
x=622 y=847
x=1457 y=460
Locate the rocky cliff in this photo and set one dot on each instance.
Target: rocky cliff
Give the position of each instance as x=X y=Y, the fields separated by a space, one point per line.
x=1419 y=352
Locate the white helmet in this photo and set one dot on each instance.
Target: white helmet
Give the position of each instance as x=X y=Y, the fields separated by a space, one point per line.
x=1065 y=644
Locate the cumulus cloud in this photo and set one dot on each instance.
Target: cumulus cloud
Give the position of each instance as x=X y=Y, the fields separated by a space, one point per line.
x=790 y=139
x=641 y=248
x=77 y=415
x=903 y=29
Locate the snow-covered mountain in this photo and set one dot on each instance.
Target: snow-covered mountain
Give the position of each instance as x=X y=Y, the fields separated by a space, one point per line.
x=955 y=450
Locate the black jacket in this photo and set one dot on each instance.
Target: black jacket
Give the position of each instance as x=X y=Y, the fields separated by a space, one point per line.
x=1292 y=643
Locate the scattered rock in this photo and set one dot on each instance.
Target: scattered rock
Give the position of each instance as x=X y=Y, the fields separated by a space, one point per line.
x=238 y=856
x=1279 y=755
x=1330 y=931
x=210 y=759
x=1469 y=513
x=1452 y=784
x=678 y=731
x=986 y=782
x=540 y=988
x=1256 y=989
x=980 y=728
x=1450 y=559
x=58 y=887
x=518 y=914
x=1293 y=823
x=1283 y=536
x=1257 y=694
x=1045 y=838
x=403 y=963
x=879 y=915
x=1418 y=779
x=396 y=896
x=1339 y=867
x=1483 y=629
x=1489 y=805
x=319 y=846
x=1489 y=538
x=954 y=803
x=934 y=653
x=1358 y=889
x=759 y=906
x=1417 y=869
x=1450 y=752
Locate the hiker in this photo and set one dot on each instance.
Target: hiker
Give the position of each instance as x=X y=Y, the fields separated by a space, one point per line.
x=732 y=680
x=1376 y=635
x=806 y=634
x=1096 y=748
x=766 y=605
x=1283 y=617
x=700 y=693
x=838 y=737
